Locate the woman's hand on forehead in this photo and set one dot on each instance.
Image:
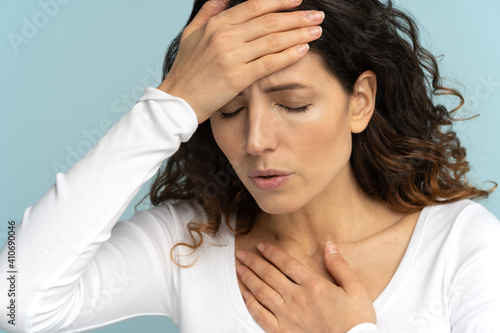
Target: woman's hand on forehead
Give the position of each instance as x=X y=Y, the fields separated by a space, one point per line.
x=222 y=52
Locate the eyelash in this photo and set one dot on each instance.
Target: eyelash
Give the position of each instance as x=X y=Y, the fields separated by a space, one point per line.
x=292 y=110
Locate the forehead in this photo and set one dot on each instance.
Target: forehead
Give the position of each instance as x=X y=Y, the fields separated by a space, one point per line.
x=309 y=69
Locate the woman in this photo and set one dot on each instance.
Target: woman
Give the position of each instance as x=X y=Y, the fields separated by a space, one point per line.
x=334 y=159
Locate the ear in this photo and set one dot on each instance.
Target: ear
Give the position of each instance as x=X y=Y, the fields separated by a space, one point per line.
x=363 y=101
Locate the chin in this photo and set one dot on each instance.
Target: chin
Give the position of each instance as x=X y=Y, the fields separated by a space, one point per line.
x=277 y=206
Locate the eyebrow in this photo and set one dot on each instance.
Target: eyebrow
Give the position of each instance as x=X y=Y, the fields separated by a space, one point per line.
x=281 y=87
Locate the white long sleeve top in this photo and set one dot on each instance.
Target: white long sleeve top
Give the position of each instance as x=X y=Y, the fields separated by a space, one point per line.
x=77 y=269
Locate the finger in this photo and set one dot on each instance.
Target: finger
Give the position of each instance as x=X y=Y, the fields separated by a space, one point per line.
x=254 y=8
x=266 y=319
x=266 y=295
x=264 y=271
x=287 y=264
x=274 y=62
x=275 y=43
x=278 y=22
x=339 y=268
x=209 y=9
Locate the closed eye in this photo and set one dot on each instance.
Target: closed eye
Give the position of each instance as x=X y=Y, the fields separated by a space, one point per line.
x=233 y=114
x=295 y=110
x=229 y=115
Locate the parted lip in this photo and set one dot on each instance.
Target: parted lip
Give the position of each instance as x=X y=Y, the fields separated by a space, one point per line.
x=268 y=173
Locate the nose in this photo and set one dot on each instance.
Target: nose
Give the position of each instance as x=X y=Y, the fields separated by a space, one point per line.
x=261 y=132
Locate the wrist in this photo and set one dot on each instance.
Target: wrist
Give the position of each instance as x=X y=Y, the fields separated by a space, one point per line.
x=170 y=88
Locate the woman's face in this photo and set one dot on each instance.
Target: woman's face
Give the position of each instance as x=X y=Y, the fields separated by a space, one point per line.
x=288 y=136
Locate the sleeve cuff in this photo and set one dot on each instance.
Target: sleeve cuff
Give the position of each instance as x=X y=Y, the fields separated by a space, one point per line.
x=364 y=328
x=187 y=117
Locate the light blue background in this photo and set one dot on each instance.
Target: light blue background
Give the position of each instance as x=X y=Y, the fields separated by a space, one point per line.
x=85 y=65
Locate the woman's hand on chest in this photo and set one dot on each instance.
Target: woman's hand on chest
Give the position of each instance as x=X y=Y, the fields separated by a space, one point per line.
x=286 y=296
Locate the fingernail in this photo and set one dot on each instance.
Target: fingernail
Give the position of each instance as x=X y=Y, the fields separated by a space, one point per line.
x=303 y=48
x=261 y=247
x=331 y=248
x=315 y=31
x=316 y=16
x=241 y=255
x=240 y=270
x=295 y=1
x=245 y=296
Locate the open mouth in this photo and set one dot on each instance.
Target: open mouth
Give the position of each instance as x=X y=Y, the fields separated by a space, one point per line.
x=270 y=182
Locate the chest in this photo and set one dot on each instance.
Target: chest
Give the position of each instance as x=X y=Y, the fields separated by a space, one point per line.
x=374 y=262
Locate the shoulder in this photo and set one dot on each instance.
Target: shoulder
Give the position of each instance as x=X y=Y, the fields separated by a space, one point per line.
x=166 y=222
x=459 y=233
x=465 y=218
x=181 y=212
x=173 y=219
x=469 y=236
x=470 y=248
x=476 y=231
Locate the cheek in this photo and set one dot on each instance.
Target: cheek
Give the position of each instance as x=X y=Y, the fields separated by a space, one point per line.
x=229 y=139
x=325 y=144
x=337 y=143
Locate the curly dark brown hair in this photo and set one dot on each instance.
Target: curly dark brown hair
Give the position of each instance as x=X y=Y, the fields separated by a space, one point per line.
x=408 y=156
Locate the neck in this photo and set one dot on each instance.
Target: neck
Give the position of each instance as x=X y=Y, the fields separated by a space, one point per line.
x=343 y=213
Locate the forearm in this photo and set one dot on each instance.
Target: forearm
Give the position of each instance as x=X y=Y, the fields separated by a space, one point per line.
x=59 y=235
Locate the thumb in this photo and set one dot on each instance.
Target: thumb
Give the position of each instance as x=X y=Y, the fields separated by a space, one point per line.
x=338 y=267
x=208 y=10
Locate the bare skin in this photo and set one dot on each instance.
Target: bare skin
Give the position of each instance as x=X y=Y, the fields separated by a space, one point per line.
x=320 y=202
x=224 y=51
x=373 y=259
x=246 y=68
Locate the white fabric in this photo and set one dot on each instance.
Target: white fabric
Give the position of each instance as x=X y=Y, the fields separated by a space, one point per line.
x=79 y=270
x=364 y=328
